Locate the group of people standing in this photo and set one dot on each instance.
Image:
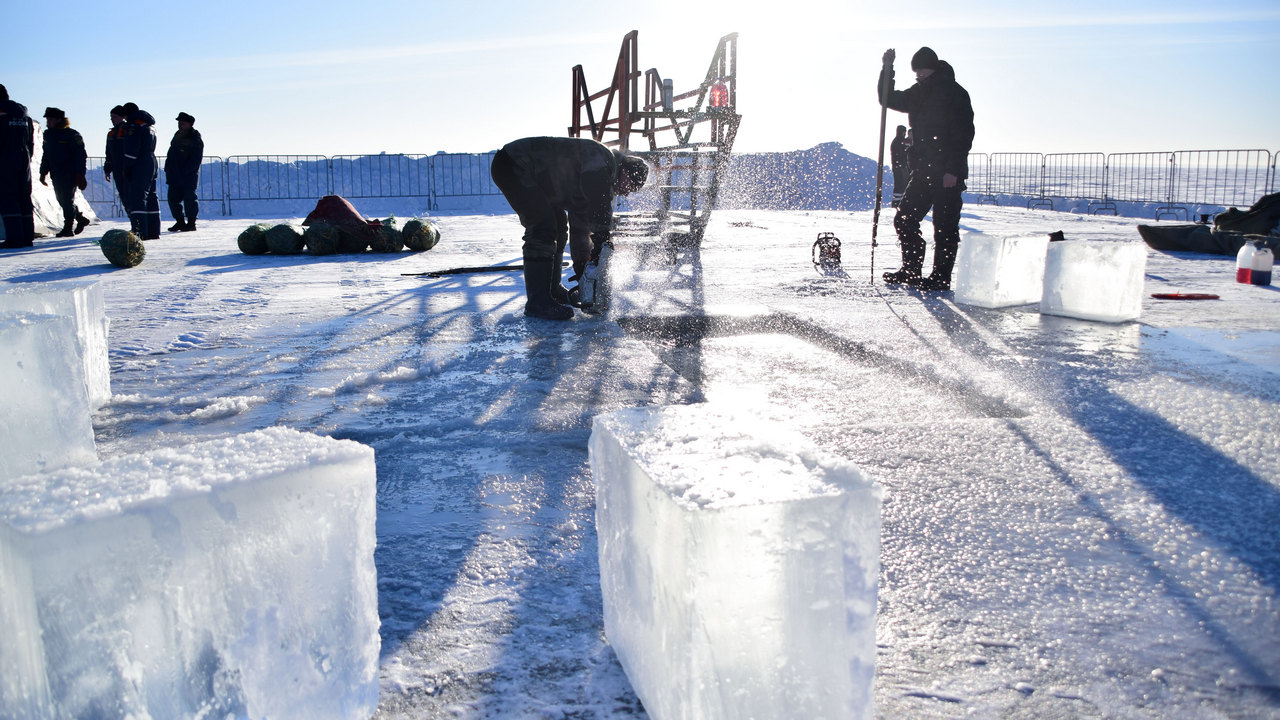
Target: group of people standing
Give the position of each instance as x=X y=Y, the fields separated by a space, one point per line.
x=130 y=162
x=131 y=158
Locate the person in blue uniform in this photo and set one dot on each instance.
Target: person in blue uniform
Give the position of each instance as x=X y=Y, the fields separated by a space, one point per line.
x=138 y=163
x=17 y=142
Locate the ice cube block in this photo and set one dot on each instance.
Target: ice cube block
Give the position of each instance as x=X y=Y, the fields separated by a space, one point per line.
x=45 y=420
x=738 y=566
x=1094 y=280
x=995 y=272
x=232 y=578
x=80 y=300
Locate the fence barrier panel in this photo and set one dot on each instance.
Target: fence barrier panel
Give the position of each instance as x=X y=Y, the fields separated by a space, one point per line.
x=1017 y=174
x=979 y=180
x=380 y=176
x=1220 y=177
x=461 y=174
x=277 y=177
x=1274 y=184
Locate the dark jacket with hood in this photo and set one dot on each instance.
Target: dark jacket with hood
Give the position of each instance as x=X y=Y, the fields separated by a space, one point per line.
x=941 y=119
x=138 y=148
x=182 y=162
x=17 y=142
x=64 y=155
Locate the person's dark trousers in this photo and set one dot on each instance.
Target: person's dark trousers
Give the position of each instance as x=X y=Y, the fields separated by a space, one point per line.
x=183 y=204
x=19 y=218
x=925 y=192
x=543 y=224
x=144 y=207
x=65 y=191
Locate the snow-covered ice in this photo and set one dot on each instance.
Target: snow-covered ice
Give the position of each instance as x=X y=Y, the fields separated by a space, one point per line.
x=80 y=300
x=46 y=423
x=1094 y=280
x=1079 y=517
x=232 y=577
x=996 y=272
x=738 y=565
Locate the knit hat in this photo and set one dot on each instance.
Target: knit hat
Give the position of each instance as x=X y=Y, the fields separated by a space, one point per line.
x=185 y=117
x=4 y=93
x=118 y=110
x=53 y=113
x=129 y=108
x=924 y=59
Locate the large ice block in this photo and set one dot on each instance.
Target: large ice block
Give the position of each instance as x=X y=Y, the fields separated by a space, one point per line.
x=995 y=272
x=1094 y=280
x=738 y=566
x=80 y=300
x=232 y=578
x=45 y=420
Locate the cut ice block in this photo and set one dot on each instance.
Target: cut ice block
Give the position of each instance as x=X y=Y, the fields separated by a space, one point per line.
x=45 y=420
x=738 y=566
x=994 y=272
x=232 y=578
x=1094 y=280
x=80 y=300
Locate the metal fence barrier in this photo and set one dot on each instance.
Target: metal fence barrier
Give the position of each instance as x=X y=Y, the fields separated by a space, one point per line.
x=242 y=178
x=1175 y=182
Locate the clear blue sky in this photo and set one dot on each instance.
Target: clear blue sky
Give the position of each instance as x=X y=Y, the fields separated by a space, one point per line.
x=416 y=77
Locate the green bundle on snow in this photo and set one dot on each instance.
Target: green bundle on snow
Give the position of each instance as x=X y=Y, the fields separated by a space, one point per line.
x=321 y=238
x=122 y=248
x=388 y=238
x=353 y=238
x=253 y=241
x=285 y=239
x=420 y=235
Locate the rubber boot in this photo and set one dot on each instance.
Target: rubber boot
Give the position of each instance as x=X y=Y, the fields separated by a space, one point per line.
x=912 y=263
x=538 y=275
x=944 y=259
x=559 y=292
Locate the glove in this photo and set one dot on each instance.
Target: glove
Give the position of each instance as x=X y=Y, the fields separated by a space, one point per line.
x=82 y=183
x=42 y=177
x=107 y=173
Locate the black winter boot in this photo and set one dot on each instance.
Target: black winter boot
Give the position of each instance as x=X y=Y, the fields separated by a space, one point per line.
x=944 y=259
x=66 y=230
x=81 y=223
x=179 y=226
x=538 y=276
x=190 y=226
x=912 y=263
x=559 y=292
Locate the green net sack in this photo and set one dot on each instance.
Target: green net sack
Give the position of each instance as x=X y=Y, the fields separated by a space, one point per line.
x=253 y=241
x=321 y=238
x=388 y=238
x=353 y=238
x=122 y=248
x=420 y=235
x=285 y=239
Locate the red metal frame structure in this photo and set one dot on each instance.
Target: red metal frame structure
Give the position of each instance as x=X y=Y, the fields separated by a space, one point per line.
x=687 y=137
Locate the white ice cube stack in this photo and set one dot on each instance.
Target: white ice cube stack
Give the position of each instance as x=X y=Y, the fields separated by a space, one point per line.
x=996 y=272
x=1086 y=279
x=1094 y=280
x=232 y=578
x=738 y=566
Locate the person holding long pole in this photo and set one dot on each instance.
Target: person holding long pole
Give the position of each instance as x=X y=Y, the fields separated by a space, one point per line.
x=941 y=119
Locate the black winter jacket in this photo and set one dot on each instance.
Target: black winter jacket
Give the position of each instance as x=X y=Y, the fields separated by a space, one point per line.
x=64 y=154
x=182 y=163
x=17 y=142
x=941 y=119
x=114 y=161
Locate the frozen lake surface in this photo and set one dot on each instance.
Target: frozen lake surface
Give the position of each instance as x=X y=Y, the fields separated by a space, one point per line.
x=1079 y=518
